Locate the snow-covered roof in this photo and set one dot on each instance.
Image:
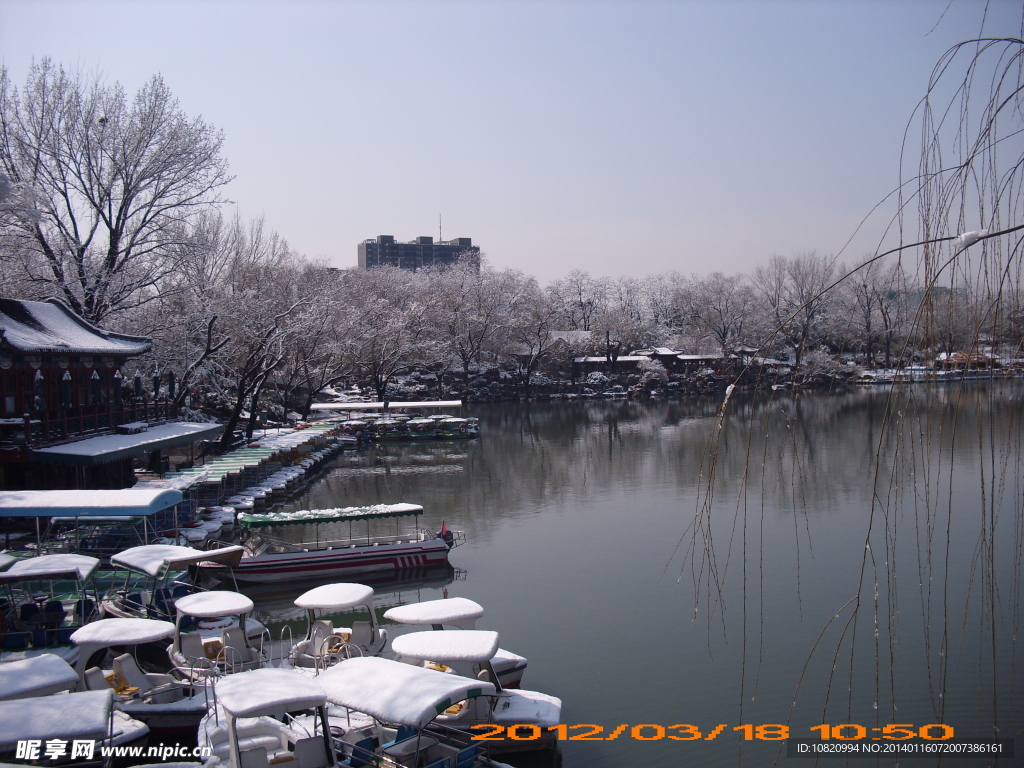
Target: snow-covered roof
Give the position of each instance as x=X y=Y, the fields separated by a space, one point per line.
x=105 y=448
x=396 y=693
x=72 y=716
x=450 y=611
x=152 y=558
x=389 y=405
x=336 y=596
x=710 y=356
x=269 y=692
x=36 y=676
x=338 y=514
x=51 y=326
x=51 y=566
x=603 y=359
x=213 y=604
x=127 y=502
x=453 y=645
x=122 y=632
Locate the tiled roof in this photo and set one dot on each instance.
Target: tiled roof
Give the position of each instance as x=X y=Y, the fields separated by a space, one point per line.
x=51 y=326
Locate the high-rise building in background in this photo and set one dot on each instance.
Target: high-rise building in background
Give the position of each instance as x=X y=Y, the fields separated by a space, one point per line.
x=418 y=253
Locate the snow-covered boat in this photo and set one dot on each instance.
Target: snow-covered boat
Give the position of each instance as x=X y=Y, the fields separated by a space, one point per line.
x=36 y=676
x=148 y=579
x=404 y=702
x=44 y=600
x=159 y=700
x=469 y=653
x=85 y=718
x=322 y=543
x=212 y=635
x=324 y=644
x=460 y=613
x=248 y=726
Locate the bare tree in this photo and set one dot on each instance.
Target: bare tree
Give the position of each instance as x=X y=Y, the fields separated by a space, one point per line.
x=116 y=182
x=719 y=307
x=469 y=308
x=796 y=295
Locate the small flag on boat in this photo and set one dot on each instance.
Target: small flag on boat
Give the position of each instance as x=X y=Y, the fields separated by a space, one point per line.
x=444 y=528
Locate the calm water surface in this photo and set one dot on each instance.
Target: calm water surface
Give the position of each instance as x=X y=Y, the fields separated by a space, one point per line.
x=659 y=567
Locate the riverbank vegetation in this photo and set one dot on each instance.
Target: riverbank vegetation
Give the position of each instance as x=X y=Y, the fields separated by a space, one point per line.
x=114 y=206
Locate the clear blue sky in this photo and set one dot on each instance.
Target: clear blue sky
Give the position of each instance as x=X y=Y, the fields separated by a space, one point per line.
x=621 y=137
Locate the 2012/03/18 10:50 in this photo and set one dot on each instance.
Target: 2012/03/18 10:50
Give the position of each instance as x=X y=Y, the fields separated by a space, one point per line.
x=687 y=732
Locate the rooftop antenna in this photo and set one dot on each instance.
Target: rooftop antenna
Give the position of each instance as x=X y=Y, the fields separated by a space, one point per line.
x=439 y=228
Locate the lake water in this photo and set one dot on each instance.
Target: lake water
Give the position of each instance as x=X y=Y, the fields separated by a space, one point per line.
x=809 y=558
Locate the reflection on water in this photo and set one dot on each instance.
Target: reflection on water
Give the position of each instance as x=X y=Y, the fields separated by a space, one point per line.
x=814 y=558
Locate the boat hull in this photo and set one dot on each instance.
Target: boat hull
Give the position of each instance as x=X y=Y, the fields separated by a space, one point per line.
x=318 y=564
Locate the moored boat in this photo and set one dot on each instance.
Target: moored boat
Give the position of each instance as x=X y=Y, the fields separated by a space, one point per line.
x=45 y=599
x=404 y=702
x=318 y=547
x=159 y=700
x=149 y=578
x=324 y=644
x=460 y=613
x=470 y=653
x=248 y=727
x=212 y=635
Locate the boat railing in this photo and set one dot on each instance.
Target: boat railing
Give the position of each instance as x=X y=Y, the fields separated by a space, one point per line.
x=286 y=648
x=307 y=545
x=334 y=654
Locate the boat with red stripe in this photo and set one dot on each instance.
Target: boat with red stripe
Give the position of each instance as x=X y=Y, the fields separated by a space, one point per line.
x=322 y=543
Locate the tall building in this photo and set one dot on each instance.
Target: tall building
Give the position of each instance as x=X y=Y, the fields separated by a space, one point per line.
x=418 y=253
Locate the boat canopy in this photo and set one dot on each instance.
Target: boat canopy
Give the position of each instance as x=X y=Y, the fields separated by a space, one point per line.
x=457 y=611
x=336 y=597
x=36 y=676
x=115 y=632
x=396 y=693
x=123 y=632
x=6 y=560
x=83 y=716
x=378 y=405
x=152 y=559
x=456 y=645
x=211 y=605
x=74 y=567
x=268 y=693
x=336 y=515
x=127 y=502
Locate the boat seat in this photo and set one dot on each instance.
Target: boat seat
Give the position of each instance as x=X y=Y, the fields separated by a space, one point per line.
x=84 y=610
x=241 y=652
x=180 y=590
x=161 y=691
x=361 y=634
x=466 y=756
x=133 y=601
x=311 y=753
x=363 y=753
x=14 y=641
x=60 y=635
x=29 y=614
x=53 y=612
x=254 y=758
x=94 y=679
x=191 y=645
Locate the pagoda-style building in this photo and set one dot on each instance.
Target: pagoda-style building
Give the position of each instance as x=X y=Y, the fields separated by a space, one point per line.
x=68 y=417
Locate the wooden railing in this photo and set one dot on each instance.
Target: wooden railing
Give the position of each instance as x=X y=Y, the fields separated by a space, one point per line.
x=60 y=425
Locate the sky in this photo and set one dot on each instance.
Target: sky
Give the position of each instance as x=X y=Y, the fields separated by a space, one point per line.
x=623 y=137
